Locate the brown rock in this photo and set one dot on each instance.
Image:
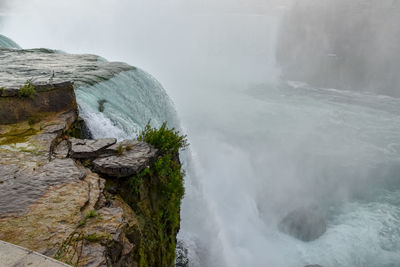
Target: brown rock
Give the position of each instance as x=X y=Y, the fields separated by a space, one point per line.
x=16 y=109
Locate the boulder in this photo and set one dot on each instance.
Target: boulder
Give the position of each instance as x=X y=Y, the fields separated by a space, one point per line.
x=87 y=149
x=132 y=157
x=306 y=224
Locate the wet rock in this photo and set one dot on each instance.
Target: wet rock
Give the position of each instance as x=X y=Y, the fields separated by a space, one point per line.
x=134 y=157
x=86 y=149
x=101 y=104
x=306 y=224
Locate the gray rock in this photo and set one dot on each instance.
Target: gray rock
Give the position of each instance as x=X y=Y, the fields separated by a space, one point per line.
x=138 y=156
x=49 y=68
x=62 y=149
x=20 y=188
x=57 y=128
x=306 y=224
x=86 y=149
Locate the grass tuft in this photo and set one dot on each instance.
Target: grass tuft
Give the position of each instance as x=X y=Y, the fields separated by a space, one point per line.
x=28 y=90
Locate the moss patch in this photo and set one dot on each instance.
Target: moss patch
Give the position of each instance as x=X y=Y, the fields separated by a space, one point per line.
x=17 y=136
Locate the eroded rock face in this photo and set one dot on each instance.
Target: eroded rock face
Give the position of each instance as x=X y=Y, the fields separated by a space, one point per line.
x=51 y=204
x=135 y=156
x=59 y=98
x=306 y=224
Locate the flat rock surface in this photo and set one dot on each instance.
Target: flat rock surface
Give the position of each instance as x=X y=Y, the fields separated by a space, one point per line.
x=85 y=148
x=134 y=158
x=20 y=188
x=12 y=255
x=49 y=66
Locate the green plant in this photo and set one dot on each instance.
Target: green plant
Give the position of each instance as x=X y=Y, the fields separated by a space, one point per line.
x=87 y=163
x=28 y=90
x=164 y=139
x=90 y=214
x=2 y=91
x=120 y=150
x=95 y=237
x=31 y=121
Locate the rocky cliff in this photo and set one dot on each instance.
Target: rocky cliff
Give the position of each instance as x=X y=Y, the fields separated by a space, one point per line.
x=81 y=201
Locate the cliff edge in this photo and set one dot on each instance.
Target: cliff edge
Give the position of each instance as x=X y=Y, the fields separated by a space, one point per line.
x=83 y=202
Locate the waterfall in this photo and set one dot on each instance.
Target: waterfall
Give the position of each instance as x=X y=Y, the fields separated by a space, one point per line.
x=128 y=102
x=8 y=43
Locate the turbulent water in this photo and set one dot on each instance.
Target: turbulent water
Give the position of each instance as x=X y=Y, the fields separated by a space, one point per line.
x=260 y=149
x=296 y=146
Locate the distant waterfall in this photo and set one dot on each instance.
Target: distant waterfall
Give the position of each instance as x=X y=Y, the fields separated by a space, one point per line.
x=8 y=43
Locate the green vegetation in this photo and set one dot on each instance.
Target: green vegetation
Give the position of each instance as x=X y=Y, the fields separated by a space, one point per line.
x=16 y=136
x=76 y=129
x=28 y=90
x=96 y=237
x=87 y=163
x=90 y=214
x=120 y=150
x=31 y=121
x=164 y=139
x=2 y=89
x=70 y=251
x=158 y=217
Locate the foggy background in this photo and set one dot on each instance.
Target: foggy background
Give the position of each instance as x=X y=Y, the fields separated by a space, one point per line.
x=352 y=45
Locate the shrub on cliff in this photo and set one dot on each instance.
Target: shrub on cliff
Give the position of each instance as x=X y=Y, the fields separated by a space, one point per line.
x=164 y=139
x=155 y=195
x=28 y=90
